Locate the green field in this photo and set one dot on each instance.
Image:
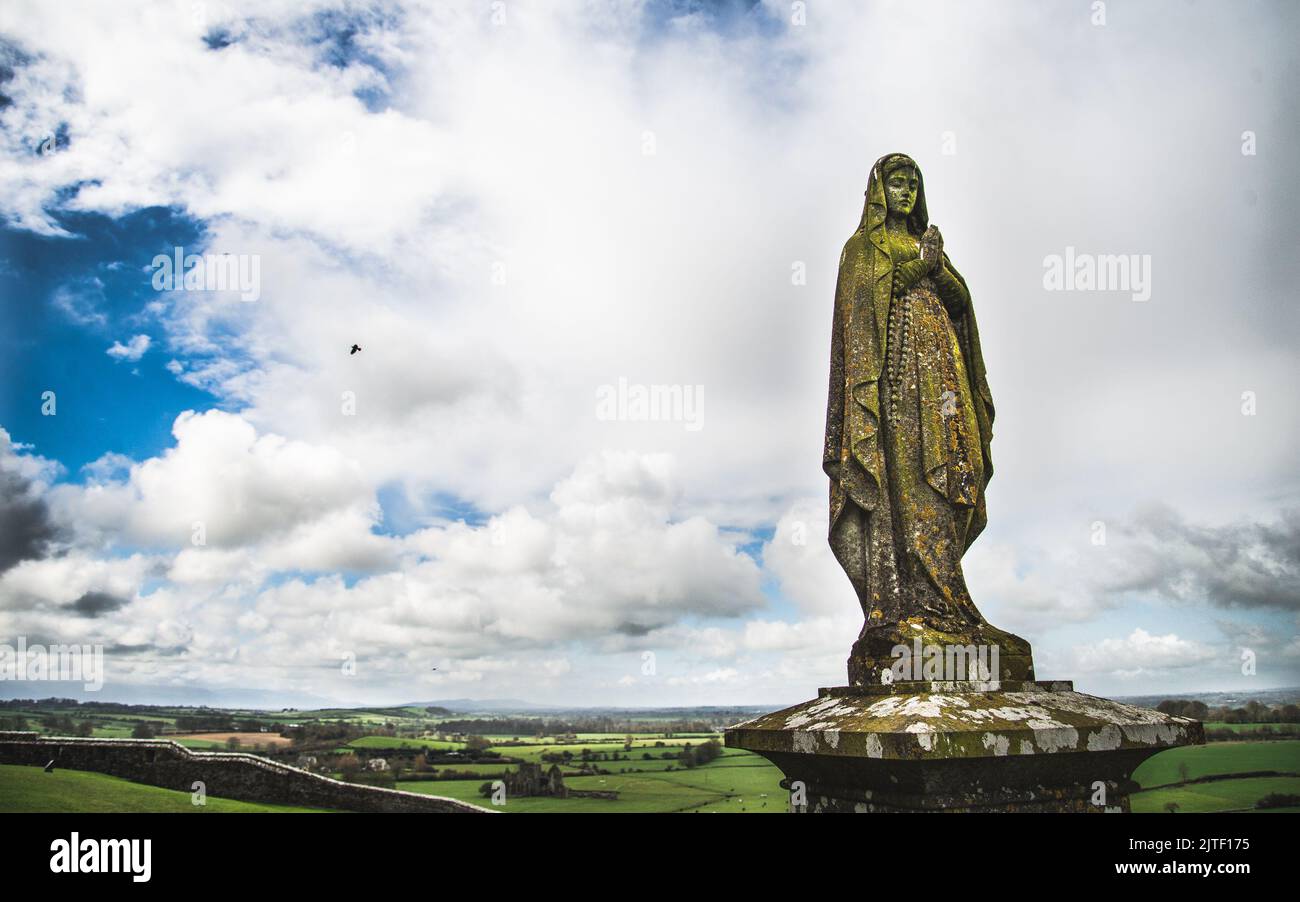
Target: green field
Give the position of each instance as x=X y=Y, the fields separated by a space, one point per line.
x=733 y=783
x=1254 y=729
x=394 y=742
x=487 y=770
x=30 y=789
x=627 y=758
x=1213 y=760
x=1220 y=758
x=1219 y=795
x=600 y=751
x=602 y=738
x=209 y=744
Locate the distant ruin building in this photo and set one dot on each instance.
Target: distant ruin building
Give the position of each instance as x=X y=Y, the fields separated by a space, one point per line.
x=530 y=780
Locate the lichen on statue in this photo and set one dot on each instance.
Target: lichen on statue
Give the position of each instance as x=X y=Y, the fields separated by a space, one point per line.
x=908 y=426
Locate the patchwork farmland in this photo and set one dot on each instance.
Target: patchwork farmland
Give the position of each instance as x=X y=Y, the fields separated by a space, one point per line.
x=607 y=761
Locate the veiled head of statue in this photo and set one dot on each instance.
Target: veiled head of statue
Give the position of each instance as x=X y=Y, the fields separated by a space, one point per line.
x=897 y=189
x=902 y=182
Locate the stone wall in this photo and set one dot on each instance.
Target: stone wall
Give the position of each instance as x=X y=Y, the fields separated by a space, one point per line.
x=227 y=775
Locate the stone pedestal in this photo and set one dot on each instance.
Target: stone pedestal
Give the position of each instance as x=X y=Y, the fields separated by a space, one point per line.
x=961 y=746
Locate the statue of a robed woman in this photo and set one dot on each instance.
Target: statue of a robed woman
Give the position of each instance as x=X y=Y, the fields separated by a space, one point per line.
x=908 y=424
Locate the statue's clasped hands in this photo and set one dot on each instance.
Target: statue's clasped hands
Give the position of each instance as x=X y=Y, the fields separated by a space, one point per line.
x=932 y=249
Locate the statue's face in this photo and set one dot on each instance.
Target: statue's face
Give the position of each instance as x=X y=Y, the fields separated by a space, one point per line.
x=901 y=186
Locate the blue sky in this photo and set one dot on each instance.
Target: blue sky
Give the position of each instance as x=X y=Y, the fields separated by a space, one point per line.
x=107 y=405
x=512 y=214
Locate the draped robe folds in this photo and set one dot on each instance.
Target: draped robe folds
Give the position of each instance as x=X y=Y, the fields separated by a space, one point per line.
x=877 y=517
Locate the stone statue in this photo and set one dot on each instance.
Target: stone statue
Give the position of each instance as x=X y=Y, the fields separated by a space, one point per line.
x=908 y=424
x=908 y=427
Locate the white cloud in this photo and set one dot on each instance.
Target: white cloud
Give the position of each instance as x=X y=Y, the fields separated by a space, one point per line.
x=81 y=302
x=133 y=350
x=237 y=486
x=38 y=593
x=604 y=557
x=494 y=233
x=1141 y=653
x=800 y=558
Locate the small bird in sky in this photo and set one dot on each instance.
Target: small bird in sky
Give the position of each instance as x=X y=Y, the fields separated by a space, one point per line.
x=355 y=348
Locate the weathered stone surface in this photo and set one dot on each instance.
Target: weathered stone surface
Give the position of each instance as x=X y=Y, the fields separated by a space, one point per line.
x=874 y=652
x=228 y=775
x=906 y=723
x=909 y=422
x=962 y=747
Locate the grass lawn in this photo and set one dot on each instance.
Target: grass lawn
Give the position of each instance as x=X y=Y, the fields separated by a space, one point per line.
x=30 y=789
x=762 y=803
x=747 y=786
x=733 y=783
x=1220 y=758
x=1220 y=795
x=638 y=793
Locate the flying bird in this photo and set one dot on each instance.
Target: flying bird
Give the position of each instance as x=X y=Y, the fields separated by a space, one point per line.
x=355 y=348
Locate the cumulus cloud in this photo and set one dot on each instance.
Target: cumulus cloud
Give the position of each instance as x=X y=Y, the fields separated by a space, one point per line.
x=1141 y=653
x=1235 y=565
x=604 y=556
x=799 y=556
x=1154 y=552
x=96 y=604
x=506 y=247
x=132 y=351
x=220 y=484
x=28 y=530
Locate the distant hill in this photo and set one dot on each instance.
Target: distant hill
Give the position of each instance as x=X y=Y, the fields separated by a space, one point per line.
x=519 y=706
x=190 y=696
x=486 y=705
x=272 y=700
x=1219 y=699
